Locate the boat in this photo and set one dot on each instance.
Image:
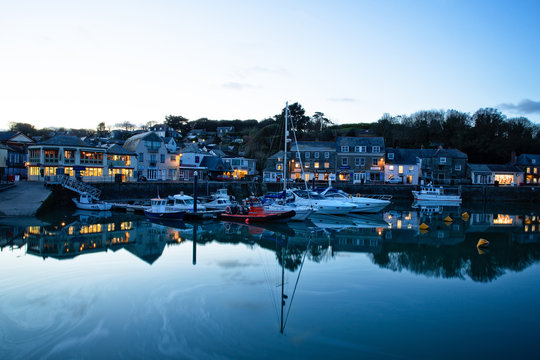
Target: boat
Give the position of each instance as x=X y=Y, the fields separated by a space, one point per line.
x=320 y=204
x=364 y=204
x=185 y=202
x=220 y=200
x=432 y=193
x=160 y=209
x=86 y=202
x=278 y=203
x=253 y=211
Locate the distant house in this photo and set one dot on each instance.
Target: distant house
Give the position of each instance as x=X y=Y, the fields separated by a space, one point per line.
x=152 y=155
x=360 y=159
x=162 y=130
x=240 y=167
x=402 y=166
x=530 y=165
x=489 y=174
x=273 y=169
x=16 y=144
x=122 y=162
x=224 y=130
x=444 y=166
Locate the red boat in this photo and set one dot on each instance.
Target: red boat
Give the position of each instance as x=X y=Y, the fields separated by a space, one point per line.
x=253 y=211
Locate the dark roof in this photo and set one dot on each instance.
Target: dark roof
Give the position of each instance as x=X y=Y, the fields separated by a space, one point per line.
x=133 y=142
x=403 y=156
x=442 y=152
x=118 y=150
x=65 y=140
x=6 y=135
x=359 y=141
x=314 y=146
x=495 y=168
x=214 y=163
x=528 y=159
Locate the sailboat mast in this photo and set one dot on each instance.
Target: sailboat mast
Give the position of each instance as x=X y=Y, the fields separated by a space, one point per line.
x=285 y=164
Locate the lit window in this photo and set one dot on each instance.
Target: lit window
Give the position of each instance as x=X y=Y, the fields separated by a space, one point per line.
x=316 y=165
x=326 y=165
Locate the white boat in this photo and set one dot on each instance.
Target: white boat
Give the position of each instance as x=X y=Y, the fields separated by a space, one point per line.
x=320 y=204
x=86 y=202
x=301 y=212
x=185 y=203
x=220 y=201
x=364 y=204
x=432 y=193
x=160 y=209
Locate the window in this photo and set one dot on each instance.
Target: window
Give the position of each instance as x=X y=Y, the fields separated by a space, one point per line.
x=390 y=156
x=278 y=167
x=307 y=155
x=197 y=158
x=391 y=168
x=141 y=157
x=528 y=170
x=362 y=162
x=357 y=161
x=153 y=158
x=306 y=165
x=162 y=158
x=375 y=149
x=344 y=161
x=316 y=165
x=357 y=149
x=173 y=158
x=411 y=168
x=326 y=155
x=316 y=155
x=326 y=165
x=442 y=160
x=344 y=149
x=400 y=169
x=535 y=170
x=458 y=167
x=375 y=162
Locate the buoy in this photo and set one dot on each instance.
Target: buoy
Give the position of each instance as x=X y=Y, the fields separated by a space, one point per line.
x=247 y=221
x=465 y=215
x=448 y=219
x=423 y=226
x=482 y=243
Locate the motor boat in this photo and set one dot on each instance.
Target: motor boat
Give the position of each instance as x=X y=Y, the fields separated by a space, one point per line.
x=432 y=193
x=160 y=209
x=253 y=211
x=86 y=202
x=364 y=204
x=278 y=203
x=220 y=200
x=320 y=204
x=185 y=202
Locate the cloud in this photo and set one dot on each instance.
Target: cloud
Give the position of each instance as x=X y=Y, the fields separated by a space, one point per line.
x=344 y=99
x=238 y=86
x=525 y=106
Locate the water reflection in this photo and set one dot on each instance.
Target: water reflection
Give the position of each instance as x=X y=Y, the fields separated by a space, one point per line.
x=393 y=240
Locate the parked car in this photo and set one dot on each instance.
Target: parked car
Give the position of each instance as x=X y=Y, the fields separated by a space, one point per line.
x=396 y=180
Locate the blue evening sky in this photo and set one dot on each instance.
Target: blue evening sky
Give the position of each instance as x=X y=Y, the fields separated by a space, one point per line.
x=78 y=63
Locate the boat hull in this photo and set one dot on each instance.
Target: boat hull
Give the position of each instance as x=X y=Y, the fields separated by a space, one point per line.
x=436 y=198
x=93 y=206
x=172 y=215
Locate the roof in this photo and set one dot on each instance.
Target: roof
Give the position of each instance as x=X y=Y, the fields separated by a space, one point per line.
x=528 y=159
x=403 y=156
x=10 y=135
x=192 y=148
x=6 y=135
x=314 y=146
x=65 y=140
x=442 y=152
x=118 y=150
x=491 y=168
x=132 y=143
x=214 y=163
x=359 y=141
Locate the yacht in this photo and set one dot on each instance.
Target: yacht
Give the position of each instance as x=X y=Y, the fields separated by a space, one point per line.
x=320 y=204
x=220 y=201
x=279 y=204
x=185 y=203
x=364 y=204
x=432 y=193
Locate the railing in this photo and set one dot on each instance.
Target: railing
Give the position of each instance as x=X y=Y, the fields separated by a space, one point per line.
x=79 y=187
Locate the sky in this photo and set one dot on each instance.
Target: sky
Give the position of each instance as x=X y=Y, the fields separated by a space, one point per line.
x=78 y=63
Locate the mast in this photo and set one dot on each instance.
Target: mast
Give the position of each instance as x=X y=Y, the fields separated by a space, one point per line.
x=285 y=164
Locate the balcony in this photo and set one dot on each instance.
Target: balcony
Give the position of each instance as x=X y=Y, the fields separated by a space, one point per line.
x=51 y=160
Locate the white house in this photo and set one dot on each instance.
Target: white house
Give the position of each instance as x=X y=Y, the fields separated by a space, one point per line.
x=152 y=155
x=402 y=166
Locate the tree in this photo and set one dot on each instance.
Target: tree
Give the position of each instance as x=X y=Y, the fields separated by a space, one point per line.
x=177 y=122
x=101 y=129
x=126 y=125
x=27 y=129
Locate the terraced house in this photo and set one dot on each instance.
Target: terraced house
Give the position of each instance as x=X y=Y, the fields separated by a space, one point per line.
x=316 y=158
x=360 y=159
x=444 y=166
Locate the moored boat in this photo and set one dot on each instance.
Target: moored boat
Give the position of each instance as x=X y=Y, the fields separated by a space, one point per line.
x=86 y=202
x=253 y=211
x=159 y=209
x=432 y=193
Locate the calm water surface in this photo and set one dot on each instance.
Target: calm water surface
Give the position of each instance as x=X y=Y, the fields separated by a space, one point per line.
x=371 y=286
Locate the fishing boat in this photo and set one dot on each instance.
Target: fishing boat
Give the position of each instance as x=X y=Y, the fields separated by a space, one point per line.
x=86 y=202
x=432 y=193
x=253 y=211
x=160 y=209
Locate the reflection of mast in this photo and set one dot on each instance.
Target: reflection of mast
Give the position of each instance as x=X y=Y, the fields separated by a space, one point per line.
x=194 y=244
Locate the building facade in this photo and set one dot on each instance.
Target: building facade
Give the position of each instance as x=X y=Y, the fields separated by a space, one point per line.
x=152 y=156
x=403 y=166
x=444 y=166
x=530 y=165
x=490 y=174
x=360 y=159
x=240 y=167
x=312 y=160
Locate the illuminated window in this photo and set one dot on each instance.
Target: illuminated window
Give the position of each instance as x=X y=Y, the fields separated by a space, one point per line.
x=400 y=169
x=326 y=165
x=316 y=165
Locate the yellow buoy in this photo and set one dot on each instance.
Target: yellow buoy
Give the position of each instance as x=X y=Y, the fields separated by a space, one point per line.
x=465 y=215
x=423 y=226
x=448 y=219
x=482 y=243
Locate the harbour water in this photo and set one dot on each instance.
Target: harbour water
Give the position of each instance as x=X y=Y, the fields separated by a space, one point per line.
x=110 y=285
